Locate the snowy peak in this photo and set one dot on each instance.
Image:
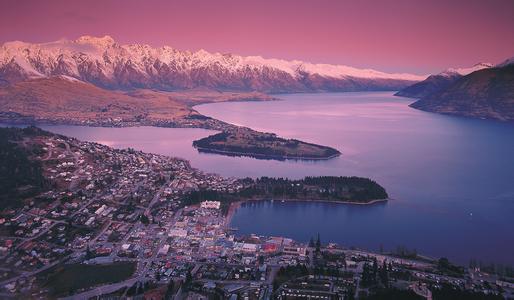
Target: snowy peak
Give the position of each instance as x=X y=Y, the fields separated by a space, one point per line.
x=103 y=62
x=101 y=42
x=326 y=70
x=466 y=71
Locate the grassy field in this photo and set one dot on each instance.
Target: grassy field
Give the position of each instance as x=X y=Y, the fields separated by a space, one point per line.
x=68 y=279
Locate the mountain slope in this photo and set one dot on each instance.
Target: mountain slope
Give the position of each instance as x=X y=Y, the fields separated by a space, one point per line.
x=487 y=93
x=105 y=63
x=61 y=98
x=438 y=82
x=67 y=100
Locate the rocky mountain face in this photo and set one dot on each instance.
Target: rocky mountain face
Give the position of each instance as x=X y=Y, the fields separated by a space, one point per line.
x=486 y=93
x=438 y=82
x=107 y=64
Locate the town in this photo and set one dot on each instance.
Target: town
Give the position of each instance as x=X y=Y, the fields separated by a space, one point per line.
x=115 y=224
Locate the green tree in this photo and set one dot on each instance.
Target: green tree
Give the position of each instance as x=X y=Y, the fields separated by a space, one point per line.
x=89 y=254
x=384 y=275
x=375 y=269
x=144 y=219
x=188 y=281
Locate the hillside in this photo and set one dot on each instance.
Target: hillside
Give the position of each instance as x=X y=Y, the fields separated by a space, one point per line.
x=58 y=98
x=64 y=100
x=438 y=82
x=20 y=175
x=487 y=93
x=432 y=84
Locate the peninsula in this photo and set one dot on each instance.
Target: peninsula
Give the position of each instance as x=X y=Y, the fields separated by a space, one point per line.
x=340 y=189
x=60 y=100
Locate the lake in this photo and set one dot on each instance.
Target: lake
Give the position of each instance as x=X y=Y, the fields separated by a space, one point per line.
x=451 y=178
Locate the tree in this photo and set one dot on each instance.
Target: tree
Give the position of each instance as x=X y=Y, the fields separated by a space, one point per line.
x=443 y=263
x=369 y=274
x=144 y=219
x=366 y=275
x=384 y=275
x=375 y=268
x=350 y=294
x=188 y=281
x=169 y=290
x=89 y=254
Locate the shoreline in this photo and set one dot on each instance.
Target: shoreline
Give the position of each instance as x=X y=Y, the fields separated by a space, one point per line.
x=234 y=206
x=370 y=202
x=262 y=156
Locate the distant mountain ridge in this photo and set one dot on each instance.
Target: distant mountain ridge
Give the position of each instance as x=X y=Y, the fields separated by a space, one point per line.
x=107 y=64
x=484 y=93
x=438 y=82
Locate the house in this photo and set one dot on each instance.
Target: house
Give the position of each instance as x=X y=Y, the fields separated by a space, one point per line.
x=210 y=204
x=291 y=250
x=177 y=232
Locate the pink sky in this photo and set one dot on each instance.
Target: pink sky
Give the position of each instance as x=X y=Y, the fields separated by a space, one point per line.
x=395 y=36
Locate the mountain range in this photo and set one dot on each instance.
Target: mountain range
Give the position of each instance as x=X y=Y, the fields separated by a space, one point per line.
x=482 y=91
x=105 y=63
x=44 y=79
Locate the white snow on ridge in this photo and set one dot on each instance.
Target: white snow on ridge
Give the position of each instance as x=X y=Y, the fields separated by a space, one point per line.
x=326 y=70
x=104 y=52
x=466 y=71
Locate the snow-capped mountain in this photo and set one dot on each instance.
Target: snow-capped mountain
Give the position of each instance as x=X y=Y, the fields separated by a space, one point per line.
x=107 y=64
x=482 y=91
x=440 y=81
x=465 y=71
x=486 y=93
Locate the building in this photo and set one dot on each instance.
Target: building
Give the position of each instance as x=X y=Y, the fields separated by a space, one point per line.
x=300 y=251
x=177 y=232
x=210 y=204
x=247 y=247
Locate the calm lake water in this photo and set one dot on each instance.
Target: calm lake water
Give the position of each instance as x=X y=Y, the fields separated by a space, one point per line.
x=452 y=179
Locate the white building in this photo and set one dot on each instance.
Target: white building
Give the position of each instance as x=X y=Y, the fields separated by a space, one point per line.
x=164 y=250
x=210 y=204
x=247 y=247
x=301 y=251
